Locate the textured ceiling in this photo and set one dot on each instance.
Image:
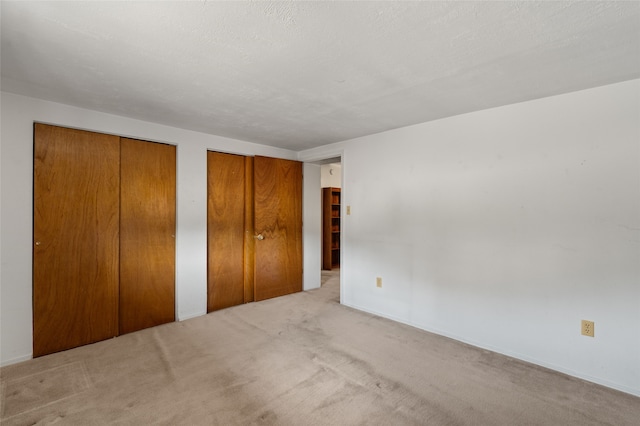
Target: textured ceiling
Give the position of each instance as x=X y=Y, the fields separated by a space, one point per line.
x=303 y=74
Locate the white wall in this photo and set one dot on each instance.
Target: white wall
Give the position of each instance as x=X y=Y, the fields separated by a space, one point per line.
x=331 y=175
x=504 y=228
x=312 y=226
x=18 y=115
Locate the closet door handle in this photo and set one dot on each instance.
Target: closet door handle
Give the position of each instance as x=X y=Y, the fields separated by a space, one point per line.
x=259 y=237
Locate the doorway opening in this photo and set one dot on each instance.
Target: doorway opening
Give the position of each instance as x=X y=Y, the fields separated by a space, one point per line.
x=332 y=220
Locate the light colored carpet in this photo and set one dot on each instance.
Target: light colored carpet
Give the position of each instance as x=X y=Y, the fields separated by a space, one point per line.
x=298 y=360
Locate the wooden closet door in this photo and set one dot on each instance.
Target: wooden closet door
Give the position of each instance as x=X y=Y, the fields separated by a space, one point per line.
x=229 y=230
x=147 y=234
x=278 y=225
x=75 y=229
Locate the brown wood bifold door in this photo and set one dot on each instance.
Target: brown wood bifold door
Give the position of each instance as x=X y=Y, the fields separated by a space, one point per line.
x=278 y=227
x=147 y=234
x=76 y=233
x=104 y=224
x=254 y=228
x=229 y=192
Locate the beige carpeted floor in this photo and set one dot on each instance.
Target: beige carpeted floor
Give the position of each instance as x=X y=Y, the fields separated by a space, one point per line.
x=298 y=360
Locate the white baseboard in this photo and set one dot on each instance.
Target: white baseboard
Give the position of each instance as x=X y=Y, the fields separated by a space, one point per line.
x=16 y=360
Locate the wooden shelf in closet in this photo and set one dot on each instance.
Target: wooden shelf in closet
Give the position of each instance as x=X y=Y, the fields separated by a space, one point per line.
x=331 y=228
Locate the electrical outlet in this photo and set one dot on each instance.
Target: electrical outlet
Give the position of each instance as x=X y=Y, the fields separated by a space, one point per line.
x=348 y=210
x=379 y=282
x=587 y=328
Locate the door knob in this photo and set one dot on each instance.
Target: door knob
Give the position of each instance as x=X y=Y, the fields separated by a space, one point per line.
x=259 y=237
x=38 y=243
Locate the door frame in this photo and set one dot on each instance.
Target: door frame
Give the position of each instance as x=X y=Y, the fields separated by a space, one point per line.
x=319 y=159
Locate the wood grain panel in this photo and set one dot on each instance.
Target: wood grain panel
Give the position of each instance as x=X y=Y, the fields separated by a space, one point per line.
x=225 y=230
x=75 y=255
x=249 y=241
x=278 y=217
x=147 y=234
